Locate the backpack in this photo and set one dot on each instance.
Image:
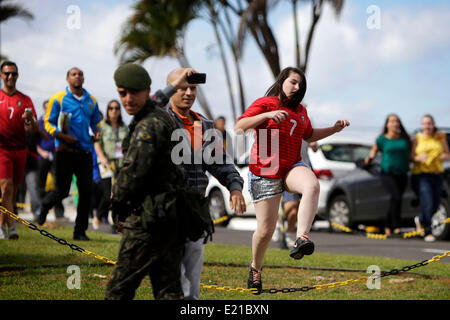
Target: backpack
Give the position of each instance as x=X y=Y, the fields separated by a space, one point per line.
x=193 y=212
x=184 y=207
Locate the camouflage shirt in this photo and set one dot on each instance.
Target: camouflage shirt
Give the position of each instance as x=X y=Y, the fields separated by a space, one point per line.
x=147 y=168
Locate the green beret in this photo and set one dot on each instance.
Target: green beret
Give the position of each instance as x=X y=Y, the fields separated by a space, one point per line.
x=132 y=76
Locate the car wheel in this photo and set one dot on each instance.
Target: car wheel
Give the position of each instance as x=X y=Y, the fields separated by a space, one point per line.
x=441 y=231
x=217 y=206
x=339 y=212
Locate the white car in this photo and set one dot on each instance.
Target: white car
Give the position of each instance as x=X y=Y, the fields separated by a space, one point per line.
x=335 y=157
x=219 y=196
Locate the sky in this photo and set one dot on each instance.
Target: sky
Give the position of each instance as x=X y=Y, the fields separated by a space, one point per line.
x=378 y=57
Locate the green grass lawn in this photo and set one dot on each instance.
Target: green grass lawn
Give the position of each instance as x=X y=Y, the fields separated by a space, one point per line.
x=35 y=268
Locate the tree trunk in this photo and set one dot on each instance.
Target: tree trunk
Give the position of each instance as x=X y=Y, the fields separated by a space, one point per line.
x=237 y=65
x=316 y=13
x=225 y=64
x=296 y=34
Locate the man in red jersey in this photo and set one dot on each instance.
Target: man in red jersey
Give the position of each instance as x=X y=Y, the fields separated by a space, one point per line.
x=17 y=114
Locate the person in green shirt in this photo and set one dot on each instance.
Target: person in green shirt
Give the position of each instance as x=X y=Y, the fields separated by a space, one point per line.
x=395 y=145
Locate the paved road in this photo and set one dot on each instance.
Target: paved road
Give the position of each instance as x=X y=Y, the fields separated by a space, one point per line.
x=339 y=243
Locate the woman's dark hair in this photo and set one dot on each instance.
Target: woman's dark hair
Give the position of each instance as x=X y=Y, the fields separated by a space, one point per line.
x=277 y=88
x=119 y=119
x=403 y=134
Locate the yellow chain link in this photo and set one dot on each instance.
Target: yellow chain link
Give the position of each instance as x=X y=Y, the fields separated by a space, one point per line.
x=376 y=236
x=21 y=205
x=220 y=220
x=228 y=289
x=340 y=284
x=413 y=234
x=29 y=225
x=15 y=217
x=438 y=258
x=96 y=256
x=239 y=290
x=339 y=226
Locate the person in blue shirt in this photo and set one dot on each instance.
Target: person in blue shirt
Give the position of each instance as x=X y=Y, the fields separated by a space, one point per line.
x=70 y=116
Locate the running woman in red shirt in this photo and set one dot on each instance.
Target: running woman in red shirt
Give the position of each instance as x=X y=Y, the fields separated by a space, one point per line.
x=17 y=114
x=276 y=165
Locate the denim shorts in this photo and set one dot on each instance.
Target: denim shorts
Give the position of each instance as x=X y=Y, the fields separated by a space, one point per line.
x=261 y=188
x=287 y=196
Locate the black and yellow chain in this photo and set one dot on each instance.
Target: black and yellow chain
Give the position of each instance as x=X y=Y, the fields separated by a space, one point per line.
x=77 y=248
x=332 y=285
x=371 y=235
x=52 y=237
x=64 y=242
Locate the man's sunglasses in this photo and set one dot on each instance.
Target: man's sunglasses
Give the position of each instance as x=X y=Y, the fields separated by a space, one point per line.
x=14 y=74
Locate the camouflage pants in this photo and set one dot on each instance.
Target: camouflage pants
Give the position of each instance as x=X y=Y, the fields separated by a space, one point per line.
x=154 y=252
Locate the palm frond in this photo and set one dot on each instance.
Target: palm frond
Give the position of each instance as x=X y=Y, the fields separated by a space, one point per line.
x=8 y=11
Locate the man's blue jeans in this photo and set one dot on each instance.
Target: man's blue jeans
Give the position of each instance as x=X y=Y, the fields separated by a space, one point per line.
x=429 y=187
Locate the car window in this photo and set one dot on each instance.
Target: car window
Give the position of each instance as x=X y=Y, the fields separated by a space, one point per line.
x=345 y=152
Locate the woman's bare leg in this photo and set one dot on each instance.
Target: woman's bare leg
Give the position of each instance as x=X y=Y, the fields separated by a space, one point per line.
x=302 y=180
x=266 y=218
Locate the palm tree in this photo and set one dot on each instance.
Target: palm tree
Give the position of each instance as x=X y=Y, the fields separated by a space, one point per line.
x=9 y=10
x=254 y=19
x=218 y=16
x=231 y=37
x=317 y=7
x=213 y=18
x=157 y=29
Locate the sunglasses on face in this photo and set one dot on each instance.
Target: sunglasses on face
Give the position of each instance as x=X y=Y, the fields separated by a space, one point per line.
x=7 y=74
x=114 y=108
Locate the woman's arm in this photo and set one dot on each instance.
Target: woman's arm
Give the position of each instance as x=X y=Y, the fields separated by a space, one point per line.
x=252 y=122
x=320 y=133
x=100 y=154
x=421 y=158
x=446 y=154
x=373 y=153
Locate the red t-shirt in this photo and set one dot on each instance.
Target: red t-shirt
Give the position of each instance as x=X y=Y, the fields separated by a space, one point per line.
x=12 y=130
x=267 y=159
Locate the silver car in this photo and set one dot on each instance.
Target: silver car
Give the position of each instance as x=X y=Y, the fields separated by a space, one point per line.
x=335 y=157
x=360 y=198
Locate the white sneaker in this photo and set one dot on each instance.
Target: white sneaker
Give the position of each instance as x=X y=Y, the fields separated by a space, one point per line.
x=3 y=232
x=417 y=223
x=96 y=223
x=12 y=233
x=277 y=234
x=429 y=238
x=290 y=239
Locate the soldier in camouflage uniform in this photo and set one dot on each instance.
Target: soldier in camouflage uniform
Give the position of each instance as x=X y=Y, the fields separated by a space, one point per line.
x=149 y=245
